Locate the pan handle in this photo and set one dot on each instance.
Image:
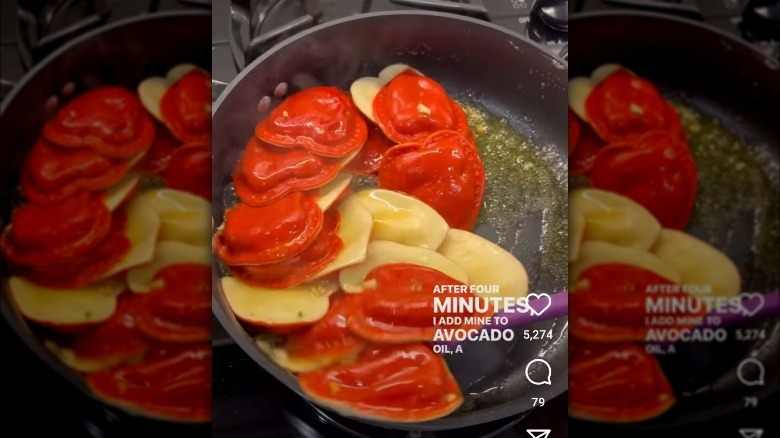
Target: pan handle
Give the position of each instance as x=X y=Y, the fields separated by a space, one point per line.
x=474 y=10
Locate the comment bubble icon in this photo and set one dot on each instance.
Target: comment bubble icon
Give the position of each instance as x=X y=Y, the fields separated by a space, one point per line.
x=547 y=373
x=751 y=372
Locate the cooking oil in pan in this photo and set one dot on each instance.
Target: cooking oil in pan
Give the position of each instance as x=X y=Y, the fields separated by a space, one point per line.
x=737 y=199
x=523 y=181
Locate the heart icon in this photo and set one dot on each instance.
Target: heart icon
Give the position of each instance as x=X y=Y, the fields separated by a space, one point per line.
x=533 y=305
x=751 y=302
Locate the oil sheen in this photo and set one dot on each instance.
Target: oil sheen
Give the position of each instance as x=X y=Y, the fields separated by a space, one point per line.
x=525 y=197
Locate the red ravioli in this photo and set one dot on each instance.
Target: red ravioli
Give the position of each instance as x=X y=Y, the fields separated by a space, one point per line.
x=329 y=338
x=403 y=383
x=267 y=173
x=411 y=107
x=369 y=158
x=57 y=233
x=117 y=338
x=109 y=120
x=269 y=234
x=156 y=159
x=624 y=104
x=656 y=170
x=322 y=120
x=616 y=383
x=172 y=382
x=77 y=272
x=608 y=303
x=186 y=107
x=180 y=309
x=298 y=268
x=401 y=306
x=189 y=170
x=52 y=173
x=445 y=172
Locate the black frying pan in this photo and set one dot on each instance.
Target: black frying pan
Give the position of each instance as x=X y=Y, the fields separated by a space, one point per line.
x=123 y=53
x=724 y=78
x=500 y=70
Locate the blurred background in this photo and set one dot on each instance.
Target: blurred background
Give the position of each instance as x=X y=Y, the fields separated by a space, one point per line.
x=718 y=63
x=43 y=402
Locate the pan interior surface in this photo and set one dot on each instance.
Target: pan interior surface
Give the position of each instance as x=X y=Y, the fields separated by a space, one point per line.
x=520 y=88
x=737 y=102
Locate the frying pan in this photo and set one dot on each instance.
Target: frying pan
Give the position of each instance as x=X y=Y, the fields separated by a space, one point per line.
x=722 y=77
x=122 y=53
x=511 y=77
